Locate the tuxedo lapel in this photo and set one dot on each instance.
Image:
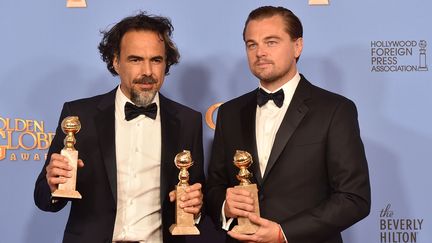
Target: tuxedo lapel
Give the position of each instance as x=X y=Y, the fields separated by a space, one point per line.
x=105 y=125
x=170 y=128
x=293 y=116
x=248 y=115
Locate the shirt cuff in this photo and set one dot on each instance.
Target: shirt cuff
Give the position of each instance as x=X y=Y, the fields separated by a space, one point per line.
x=225 y=223
x=197 y=220
x=283 y=234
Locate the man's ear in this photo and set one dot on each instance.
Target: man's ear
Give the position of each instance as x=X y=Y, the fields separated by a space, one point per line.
x=116 y=63
x=298 y=45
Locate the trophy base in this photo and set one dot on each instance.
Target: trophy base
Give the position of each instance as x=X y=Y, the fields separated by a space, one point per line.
x=245 y=226
x=247 y=229
x=184 y=222
x=66 y=194
x=183 y=230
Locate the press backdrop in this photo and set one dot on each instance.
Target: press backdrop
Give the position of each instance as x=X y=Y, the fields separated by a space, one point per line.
x=375 y=52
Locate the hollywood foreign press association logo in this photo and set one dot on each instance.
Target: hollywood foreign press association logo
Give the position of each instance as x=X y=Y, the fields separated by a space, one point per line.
x=394 y=229
x=399 y=56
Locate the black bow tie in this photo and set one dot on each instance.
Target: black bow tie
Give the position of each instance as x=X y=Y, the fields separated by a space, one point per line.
x=263 y=97
x=132 y=111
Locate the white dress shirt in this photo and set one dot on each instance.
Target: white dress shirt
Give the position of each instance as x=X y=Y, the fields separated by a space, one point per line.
x=268 y=120
x=138 y=156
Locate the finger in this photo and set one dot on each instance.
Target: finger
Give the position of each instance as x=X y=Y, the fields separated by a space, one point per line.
x=192 y=210
x=191 y=195
x=233 y=212
x=239 y=191
x=56 y=172
x=256 y=219
x=172 y=195
x=240 y=206
x=191 y=203
x=80 y=163
x=239 y=198
x=194 y=187
x=60 y=162
x=54 y=181
x=241 y=237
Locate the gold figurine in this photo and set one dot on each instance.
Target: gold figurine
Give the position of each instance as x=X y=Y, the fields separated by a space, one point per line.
x=243 y=160
x=185 y=224
x=70 y=126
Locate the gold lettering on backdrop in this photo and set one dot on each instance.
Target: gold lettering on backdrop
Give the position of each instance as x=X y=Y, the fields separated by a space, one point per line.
x=318 y=2
x=76 y=4
x=209 y=115
x=23 y=134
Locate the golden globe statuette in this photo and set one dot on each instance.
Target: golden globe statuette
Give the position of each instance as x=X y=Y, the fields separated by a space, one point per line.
x=243 y=160
x=70 y=126
x=185 y=224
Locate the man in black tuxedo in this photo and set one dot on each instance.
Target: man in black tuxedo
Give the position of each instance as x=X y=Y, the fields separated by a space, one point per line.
x=309 y=161
x=128 y=142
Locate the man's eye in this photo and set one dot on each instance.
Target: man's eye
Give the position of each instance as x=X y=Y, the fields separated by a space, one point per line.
x=271 y=43
x=251 y=46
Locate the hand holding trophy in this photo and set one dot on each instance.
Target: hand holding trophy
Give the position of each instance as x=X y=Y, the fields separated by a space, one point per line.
x=243 y=160
x=70 y=126
x=185 y=224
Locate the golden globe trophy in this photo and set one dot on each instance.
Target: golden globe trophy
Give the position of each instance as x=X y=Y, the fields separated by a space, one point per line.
x=70 y=126
x=185 y=224
x=243 y=160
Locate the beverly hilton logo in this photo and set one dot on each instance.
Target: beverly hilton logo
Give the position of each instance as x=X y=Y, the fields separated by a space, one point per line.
x=395 y=230
x=398 y=56
x=23 y=140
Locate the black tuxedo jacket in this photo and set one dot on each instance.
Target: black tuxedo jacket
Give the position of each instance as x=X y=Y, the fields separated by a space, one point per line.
x=92 y=218
x=316 y=182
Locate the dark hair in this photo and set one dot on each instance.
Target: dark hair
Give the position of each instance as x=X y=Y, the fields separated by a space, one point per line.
x=109 y=46
x=293 y=26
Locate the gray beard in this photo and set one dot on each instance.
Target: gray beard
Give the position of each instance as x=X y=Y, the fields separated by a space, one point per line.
x=143 y=98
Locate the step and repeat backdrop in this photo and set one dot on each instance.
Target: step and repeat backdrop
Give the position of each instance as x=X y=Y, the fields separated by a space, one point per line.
x=377 y=53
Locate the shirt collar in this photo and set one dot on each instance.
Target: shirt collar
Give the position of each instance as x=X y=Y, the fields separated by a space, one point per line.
x=288 y=88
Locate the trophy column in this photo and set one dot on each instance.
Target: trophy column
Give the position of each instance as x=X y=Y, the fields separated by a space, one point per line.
x=422 y=56
x=185 y=223
x=70 y=126
x=243 y=160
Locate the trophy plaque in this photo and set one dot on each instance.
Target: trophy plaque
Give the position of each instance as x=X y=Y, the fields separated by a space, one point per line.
x=70 y=126
x=184 y=222
x=243 y=160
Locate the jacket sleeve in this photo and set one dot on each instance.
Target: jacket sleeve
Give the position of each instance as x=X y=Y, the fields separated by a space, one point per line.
x=42 y=192
x=217 y=181
x=348 y=175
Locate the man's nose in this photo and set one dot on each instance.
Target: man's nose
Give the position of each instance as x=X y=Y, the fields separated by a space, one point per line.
x=146 y=68
x=261 y=51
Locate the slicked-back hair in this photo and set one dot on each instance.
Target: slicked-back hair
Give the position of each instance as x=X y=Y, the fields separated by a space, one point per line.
x=293 y=25
x=109 y=47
